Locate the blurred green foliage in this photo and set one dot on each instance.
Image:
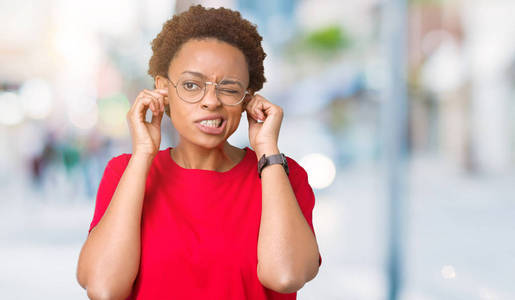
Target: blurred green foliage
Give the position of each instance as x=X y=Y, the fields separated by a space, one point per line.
x=323 y=44
x=331 y=38
x=112 y=114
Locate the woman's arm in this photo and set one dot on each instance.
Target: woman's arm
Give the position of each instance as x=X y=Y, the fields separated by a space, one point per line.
x=109 y=260
x=288 y=254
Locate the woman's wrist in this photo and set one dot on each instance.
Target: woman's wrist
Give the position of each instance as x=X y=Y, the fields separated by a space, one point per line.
x=267 y=150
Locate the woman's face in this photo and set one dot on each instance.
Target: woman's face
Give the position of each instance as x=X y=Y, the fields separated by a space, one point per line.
x=213 y=61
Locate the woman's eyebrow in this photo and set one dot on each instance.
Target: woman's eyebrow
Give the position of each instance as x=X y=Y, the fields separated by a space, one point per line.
x=231 y=81
x=225 y=80
x=194 y=73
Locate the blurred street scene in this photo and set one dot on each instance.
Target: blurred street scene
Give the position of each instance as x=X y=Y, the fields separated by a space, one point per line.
x=70 y=71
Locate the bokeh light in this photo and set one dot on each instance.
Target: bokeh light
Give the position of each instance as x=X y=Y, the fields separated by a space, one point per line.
x=84 y=115
x=37 y=98
x=320 y=168
x=448 y=272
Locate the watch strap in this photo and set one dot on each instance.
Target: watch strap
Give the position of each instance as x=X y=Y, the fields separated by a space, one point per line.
x=271 y=160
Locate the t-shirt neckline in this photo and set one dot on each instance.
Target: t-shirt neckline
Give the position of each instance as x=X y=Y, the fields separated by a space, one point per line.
x=234 y=169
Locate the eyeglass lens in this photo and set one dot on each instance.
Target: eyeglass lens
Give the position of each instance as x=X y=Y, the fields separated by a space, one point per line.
x=192 y=88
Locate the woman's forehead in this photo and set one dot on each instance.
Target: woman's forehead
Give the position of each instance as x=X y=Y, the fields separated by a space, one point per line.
x=211 y=58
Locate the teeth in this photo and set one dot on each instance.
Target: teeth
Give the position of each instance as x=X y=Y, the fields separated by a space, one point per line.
x=211 y=123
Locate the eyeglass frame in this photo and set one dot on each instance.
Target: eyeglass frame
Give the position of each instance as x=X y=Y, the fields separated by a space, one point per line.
x=204 y=92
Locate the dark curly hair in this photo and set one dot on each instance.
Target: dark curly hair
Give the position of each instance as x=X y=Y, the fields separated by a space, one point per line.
x=199 y=23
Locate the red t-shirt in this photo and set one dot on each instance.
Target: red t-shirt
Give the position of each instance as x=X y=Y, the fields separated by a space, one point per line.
x=199 y=228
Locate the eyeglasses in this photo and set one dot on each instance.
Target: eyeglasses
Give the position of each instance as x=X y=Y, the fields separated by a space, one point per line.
x=192 y=88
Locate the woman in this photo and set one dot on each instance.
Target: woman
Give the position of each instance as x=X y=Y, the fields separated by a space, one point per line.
x=200 y=221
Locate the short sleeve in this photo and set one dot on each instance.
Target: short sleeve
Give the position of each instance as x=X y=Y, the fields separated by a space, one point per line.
x=112 y=174
x=303 y=192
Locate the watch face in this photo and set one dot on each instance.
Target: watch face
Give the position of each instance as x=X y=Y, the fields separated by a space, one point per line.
x=262 y=161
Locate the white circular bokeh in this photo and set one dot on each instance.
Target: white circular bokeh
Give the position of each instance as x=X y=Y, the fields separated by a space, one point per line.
x=36 y=98
x=320 y=168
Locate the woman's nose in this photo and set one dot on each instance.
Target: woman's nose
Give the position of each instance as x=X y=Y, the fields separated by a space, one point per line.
x=210 y=97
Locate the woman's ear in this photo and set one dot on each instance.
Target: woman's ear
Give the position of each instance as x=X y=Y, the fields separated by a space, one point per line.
x=247 y=99
x=160 y=82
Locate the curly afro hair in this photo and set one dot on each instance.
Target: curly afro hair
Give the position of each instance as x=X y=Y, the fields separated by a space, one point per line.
x=198 y=23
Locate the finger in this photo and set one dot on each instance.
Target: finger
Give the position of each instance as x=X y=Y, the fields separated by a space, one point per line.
x=259 y=107
x=155 y=104
x=137 y=103
x=251 y=120
x=156 y=119
x=140 y=107
x=252 y=110
x=162 y=99
x=163 y=92
x=151 y=106
x=259 y=114
x=158 y=100
x=154 y=94
x=147 y=102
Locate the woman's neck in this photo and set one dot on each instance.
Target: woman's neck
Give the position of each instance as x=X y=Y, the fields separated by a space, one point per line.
x=221 y=158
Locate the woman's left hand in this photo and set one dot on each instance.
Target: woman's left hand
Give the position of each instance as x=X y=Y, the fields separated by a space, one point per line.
x=264 y=135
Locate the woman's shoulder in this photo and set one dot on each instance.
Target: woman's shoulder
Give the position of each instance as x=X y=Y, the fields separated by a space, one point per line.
x=119 y=162
x=295 y=168
x=291 y=161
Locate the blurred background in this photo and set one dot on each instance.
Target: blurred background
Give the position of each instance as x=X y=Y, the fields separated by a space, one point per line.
x=402 y=112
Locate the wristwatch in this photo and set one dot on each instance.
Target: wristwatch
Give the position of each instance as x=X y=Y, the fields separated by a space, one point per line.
x=272 y=160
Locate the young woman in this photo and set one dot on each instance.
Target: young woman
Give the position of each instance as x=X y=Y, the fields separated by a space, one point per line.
x=205 y=219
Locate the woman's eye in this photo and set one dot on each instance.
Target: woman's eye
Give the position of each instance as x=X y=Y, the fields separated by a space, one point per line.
x=227 y=91
x=190 y=86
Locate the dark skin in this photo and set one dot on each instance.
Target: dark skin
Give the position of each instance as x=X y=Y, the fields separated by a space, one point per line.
x=287 y=248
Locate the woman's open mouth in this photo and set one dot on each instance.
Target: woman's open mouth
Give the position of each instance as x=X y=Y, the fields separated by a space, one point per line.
x=212 y=126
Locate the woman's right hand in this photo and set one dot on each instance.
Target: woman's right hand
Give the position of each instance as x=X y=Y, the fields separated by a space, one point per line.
x=146 y=136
